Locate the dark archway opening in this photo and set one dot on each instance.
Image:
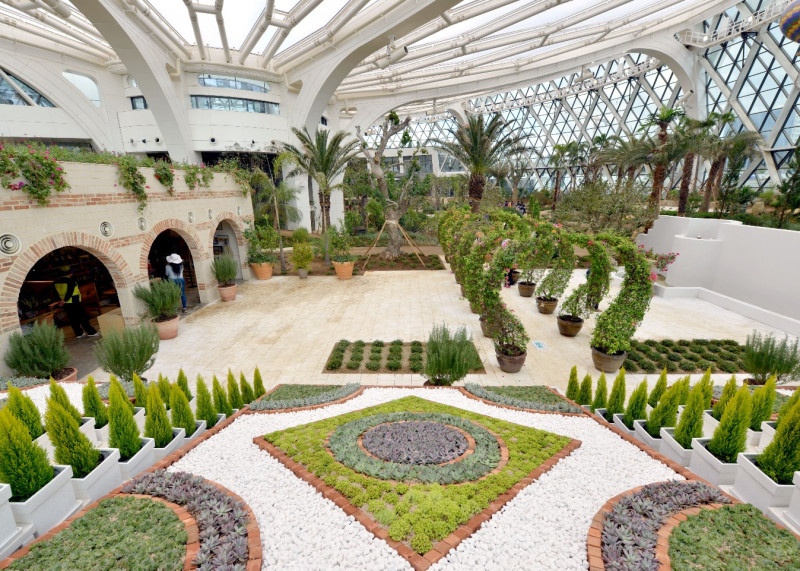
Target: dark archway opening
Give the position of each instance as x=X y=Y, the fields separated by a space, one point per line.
x=167 y=243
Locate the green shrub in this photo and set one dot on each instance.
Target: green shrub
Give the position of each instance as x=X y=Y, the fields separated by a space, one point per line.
x=730 y=437
x=140 y=392
x=72 y=447
x=333 y=364
x=727 y=366
x=649 y=367
x=162 y=298
x=300 y=235
x=302 y=255
x=691 y=423
x=671 y=367
x=616 y=400
x=224 y=270
x=205 y=409
x=39 y=353
x=234 y=395
x=129 y=351
x=787 y=406
x=448 y=355
x=93 y=405
x=353 y=365
x=727 y=394
x=631 y=366
x=59 y=395
x=165 y=388
x=22 y=407
x=763 y=401
x=374 y=365
x=659 y=389
x=125 y=390
x=415 y=366
x=248 y=395
x=686 y=365
x=122 y=430
x=707 y=389
x=781 y=458
x=221 y=402
x=665 y=412
x=396 y=365
x=183 y=383
x=637 y=406
x=156 y=422
x=258 y=384
x=585 y=392
x=23 y=463
x=573 y=388
x=182 y=416
x=765 y=356
x=601 y=393
x=682 y=387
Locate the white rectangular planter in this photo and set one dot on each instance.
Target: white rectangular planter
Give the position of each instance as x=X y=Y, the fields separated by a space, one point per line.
x=102 y=435
x=193 y=405
x=709 y=424
x=621 y=425
x=706 y=465
x=104 y=478
x=47 y=445
x=138 y=416
x=672 y=449
x=755 y=487
x=178 y=435
x=49 y=506
x=12 y=536
x=753 y=439
x=793 y=513
x=220 y=417
x=87 y=427
x=643 y=436
x=601 y=414
x=767 y=434
x=201 y=428
x=140 y=461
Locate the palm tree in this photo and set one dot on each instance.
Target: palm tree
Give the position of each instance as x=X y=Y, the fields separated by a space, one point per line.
x=713 y=148
x=691 y=136
x=661 y=119
x=323 y=158
x=576 y=156
x=479 y=145
x=269 y=200
x=556 y=161
x=595 y=151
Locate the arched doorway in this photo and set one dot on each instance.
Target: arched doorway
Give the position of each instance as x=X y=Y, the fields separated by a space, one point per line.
x=225 y=242
x=165 y=244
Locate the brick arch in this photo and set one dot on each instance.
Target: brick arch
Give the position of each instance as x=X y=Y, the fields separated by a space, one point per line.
x=235 y=222
x=184 y=230
x=111 y=259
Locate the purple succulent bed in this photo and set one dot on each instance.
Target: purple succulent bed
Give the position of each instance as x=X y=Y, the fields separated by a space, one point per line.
x=415 y=443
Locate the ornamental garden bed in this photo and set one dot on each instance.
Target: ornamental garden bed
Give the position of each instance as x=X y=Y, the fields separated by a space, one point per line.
x=685 y=356
x=402 y=262
x=536 y=398
x=395 y=357
x=293 y=397
x=425 y=494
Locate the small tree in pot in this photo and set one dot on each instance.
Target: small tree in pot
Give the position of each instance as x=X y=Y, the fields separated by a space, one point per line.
x=162 y=299
x=532 y=258
x=301 y=256
x=343 y=261
x=224 y=268
x=449 y=355
x=510 y=340
x=261 y=243
x=128 y=352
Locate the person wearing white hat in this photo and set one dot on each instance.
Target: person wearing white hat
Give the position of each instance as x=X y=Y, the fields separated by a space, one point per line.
x=174 y=271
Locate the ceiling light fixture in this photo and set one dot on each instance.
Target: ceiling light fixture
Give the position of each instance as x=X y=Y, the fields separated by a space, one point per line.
x=392 y=57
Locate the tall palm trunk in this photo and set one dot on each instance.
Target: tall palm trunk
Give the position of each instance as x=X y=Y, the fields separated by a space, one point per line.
x=557 y=189
x=311 y=203
x=659 y=176
x=477 y=182
x=709 y=186
x=686 y=181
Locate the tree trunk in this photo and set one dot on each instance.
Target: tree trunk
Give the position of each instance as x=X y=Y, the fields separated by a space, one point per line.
x=514 y=194
x=311 y=203
x=477 y=182
x=396 y=240
x=709 y=186
x=686 y=181
x=557 y=189
x=659 y=175
x=325 y=227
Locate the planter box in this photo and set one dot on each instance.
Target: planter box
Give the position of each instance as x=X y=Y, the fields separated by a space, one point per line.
x=710 y=424
x=87 y=427
x=220 y=417
x=201 y=428
x=138 y=416
x=755 y=487
x=753 y=439
x=641 y=433
x=767 y=434
x=621 y=425
x=178 y=434
x=601 y=414
x=672 y=449
x=140 y=461
x=793 y=513
x=47 y=445
x=708 y=467
x=49 y=506
x=12 y=536
x=193 y=405
x=102 y=435
x=101 y=480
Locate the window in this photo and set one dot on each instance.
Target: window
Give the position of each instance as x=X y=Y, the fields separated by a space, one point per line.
x=86 y=85
x=11 y=89
x=138 y=102
x=232 y=82
x=234 y=104
x=323 y=121
x=8 y=95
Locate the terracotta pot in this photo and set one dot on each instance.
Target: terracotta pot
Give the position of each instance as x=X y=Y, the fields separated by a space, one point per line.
x=71 y=376
x=510 y=364
x=545 y=306
x=344 y=270
x=568 y=325
x=485 y=327
x=227 y=293
x=168 y=329
x=262 y=271
x=608 y=363
x=526 y=289
x=302 y=273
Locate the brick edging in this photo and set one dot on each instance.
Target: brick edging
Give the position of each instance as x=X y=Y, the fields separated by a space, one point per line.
x=662 y=546
x=248 y=410
x=469 y=395
x=417 y=561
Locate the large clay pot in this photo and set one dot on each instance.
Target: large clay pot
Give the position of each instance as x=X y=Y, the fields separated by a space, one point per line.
x=344 y=270
x=302 y=273
x=526 y=289
x=510 y=364
x=227 y=293
x=487 y=332
x=262 y=271
x=608 y=363
x=546 y=306
x=168 y=329
x=569 y=325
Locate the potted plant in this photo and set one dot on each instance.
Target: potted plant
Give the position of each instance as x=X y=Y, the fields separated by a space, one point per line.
x=765 y=356
x=182 y=416
x=343 y=261
x=94 y=407
x=665 y=414
x=157 y=426
x=616 y=399
x=136 y=454
x=530 y=274
x=768 y=428
x=552 y=286
x=572 y=313
x=162 y=299
x=224 y=268
x=261 y=243
x=301 y=257
x=510 y=340
x=128 y=352
x=448 y=355
x=40 y=353
x=636 y=410
x=13 y=535
x=676 y=443
x=205 y=406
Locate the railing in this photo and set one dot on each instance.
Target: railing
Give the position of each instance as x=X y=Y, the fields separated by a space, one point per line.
x=707 y=39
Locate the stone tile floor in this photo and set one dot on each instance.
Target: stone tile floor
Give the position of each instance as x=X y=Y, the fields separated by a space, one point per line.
x=287 y=327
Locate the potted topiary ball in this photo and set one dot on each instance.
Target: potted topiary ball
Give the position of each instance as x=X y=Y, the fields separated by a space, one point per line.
x=40 y=353
x=262 y=241
x=224 y=268
x=301 y=257
x=162 y=299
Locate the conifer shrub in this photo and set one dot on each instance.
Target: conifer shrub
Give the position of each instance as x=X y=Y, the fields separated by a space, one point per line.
x=59 y=395
x=22 y=407
x=140 y=391
x=691 y=423
x=183 y=383
x=234 y=396
x=616 y=400
x=585 y=392
x=448 y=355
x=221 y=402
x=763 y=401
x=787 y=406
x=205 y=408
x=23 y=463
x=708 y=389
x=728 y=391
x=659 y=389
x=39 y=353
x=637 y=406
x=72 y=447
x=182 y=416
x=683 y=386
x=248 y=395
x=600 y=394
x=573 y=388
x=258 y=384
x=665 y=412
x=112 y=381
x=93 y=405
x=730 y=437
x=122 y=430
x=156 y=423
x=781 y=458
x=129 y=351
x=165 y=388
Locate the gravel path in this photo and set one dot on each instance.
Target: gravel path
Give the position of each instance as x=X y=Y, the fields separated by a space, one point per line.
x=543 y=527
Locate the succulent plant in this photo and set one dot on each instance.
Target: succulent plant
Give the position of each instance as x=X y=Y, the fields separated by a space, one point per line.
x=481 y=392
x=415 y=442
x=335 y=394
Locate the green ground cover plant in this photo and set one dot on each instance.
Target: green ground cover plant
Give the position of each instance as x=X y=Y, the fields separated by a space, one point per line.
x=293 y=396
x=535 y=397
x=120 y=533
x=418 y=513
x=732 y=538
x=395 y=357
x=686 y=356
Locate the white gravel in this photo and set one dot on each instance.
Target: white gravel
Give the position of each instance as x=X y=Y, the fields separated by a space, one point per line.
x=544 y=527
x=39 y=395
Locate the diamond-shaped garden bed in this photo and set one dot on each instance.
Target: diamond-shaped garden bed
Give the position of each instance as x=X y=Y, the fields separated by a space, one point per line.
x=420 y=506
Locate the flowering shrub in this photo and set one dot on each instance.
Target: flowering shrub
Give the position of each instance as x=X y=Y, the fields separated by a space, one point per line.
x=197 y=175
x=41 y=172
x=662 y=261
x=165 y=175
